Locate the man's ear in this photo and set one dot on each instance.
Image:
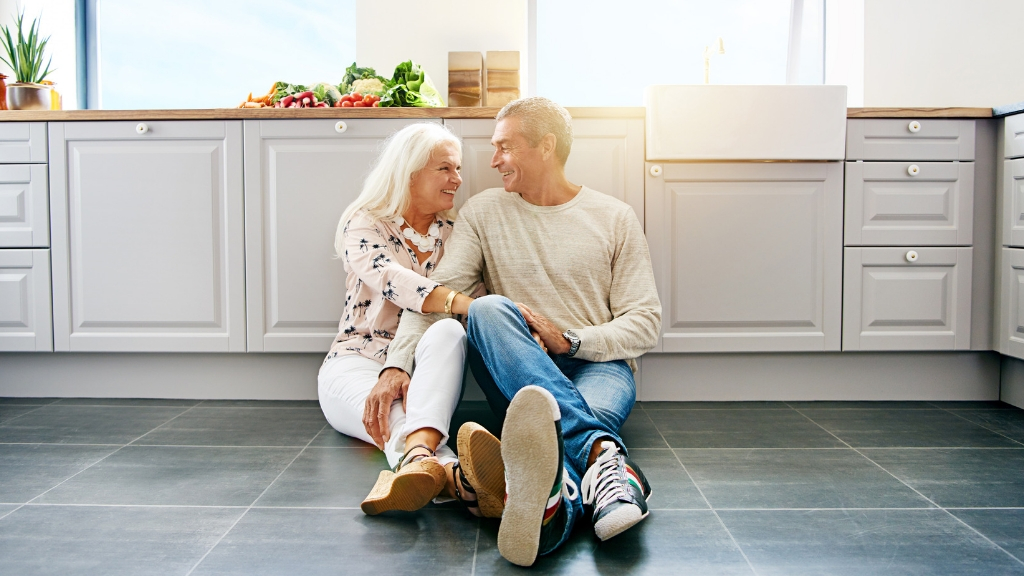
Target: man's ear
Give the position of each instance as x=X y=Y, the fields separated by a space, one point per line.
x=547 y=145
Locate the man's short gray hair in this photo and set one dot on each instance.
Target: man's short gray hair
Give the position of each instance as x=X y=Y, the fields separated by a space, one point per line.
x=539 y=117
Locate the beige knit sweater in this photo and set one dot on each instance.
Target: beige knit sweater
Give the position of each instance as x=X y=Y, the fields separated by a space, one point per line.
x=583 y=264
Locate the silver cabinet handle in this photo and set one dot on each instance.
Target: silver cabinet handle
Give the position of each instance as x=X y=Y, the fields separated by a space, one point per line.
x=142 y=128
x=912 y=256
x=914 y=127
x=913 y=170
x=656 y=170
x=340 y=127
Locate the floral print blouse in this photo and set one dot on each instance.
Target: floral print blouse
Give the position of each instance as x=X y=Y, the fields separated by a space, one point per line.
x=384 y=279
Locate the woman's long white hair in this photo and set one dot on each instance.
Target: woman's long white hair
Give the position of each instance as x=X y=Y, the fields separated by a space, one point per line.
x=386 y=191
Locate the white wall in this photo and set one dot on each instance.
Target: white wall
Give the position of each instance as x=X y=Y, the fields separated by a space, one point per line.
x=844 y=48
x=943 y=52
x=58 y=22
x=425 y=32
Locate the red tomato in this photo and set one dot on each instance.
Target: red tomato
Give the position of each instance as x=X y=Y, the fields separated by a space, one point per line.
x=346 y=103
x=359 y=104
x=376 y=104
x=346 y=98
x=368 y=99
x=356 y=96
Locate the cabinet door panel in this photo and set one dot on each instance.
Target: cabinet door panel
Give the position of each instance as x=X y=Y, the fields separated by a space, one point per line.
x=607 y=155
x=891 y=303
x=22 y=142
x=1010 y=321
x=893 y=139
x=748 y=257
x=150 y=237
x=300 y=177
x=1013 y=202
x=1013 y=143
x=25 y=324
x=24 y=209
x=887 y=206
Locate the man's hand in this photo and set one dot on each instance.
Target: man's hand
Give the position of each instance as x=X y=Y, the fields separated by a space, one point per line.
x=393 y=383
x=549 y=334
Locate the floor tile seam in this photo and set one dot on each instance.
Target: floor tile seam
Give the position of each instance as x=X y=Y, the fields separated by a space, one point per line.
x=55 y=444
x=8 y=422
x=89 y=505
x=215 y=544
x=12 y=512
x=201 y=405
x=185 y=411
x=98 y=461
x=60 y=401
x=288 y=447
x=901 y=481
x=708 y=503
x=984 y=507
x=837 y=509
x=1015 y=441
x=287 y=466
x=476 y=549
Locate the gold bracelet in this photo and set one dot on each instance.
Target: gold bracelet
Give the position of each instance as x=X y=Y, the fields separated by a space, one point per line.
x=448 y=301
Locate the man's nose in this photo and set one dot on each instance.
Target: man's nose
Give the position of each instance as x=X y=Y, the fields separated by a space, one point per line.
x=494 y=159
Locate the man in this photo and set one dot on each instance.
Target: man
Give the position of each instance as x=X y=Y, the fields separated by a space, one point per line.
x=558 y=364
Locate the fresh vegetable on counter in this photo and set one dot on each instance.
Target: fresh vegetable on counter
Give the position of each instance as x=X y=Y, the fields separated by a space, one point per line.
x=357 y=100
x=363 y=80
x=412 y=87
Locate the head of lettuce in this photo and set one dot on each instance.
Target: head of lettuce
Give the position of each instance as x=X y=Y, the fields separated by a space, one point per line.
x=412 y=87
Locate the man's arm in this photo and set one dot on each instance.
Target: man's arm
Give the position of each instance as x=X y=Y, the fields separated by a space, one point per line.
x=633 y=301
x=461 y=268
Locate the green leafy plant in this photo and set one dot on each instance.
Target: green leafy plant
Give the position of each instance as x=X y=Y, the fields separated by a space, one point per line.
x=25 y=57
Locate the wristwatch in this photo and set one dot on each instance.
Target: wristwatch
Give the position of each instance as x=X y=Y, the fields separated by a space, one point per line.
x=574 y=342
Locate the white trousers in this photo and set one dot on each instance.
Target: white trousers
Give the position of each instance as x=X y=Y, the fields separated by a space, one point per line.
x=345 y=382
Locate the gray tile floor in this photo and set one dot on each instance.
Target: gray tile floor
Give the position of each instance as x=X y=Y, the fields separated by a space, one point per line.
x=190 y=487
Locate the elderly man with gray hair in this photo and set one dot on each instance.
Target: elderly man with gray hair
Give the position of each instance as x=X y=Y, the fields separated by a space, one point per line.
x=572 y=304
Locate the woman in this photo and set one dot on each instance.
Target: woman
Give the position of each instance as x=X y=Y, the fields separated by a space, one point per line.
x=390 y=239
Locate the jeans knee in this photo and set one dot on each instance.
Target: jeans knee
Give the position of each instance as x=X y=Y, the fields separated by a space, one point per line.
x=490 y=306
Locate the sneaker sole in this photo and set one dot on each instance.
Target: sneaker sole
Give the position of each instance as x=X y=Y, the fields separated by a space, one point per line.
x=409 y=490
x=480 y=459
x=618 y=522
x=529 y=448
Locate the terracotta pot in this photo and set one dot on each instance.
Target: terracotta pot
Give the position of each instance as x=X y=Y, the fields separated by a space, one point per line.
x=26 y=96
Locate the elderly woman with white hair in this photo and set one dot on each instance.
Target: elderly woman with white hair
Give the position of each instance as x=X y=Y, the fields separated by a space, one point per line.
x=390 y=239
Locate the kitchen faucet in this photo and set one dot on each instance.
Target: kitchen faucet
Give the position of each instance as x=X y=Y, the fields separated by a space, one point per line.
x=708 y=53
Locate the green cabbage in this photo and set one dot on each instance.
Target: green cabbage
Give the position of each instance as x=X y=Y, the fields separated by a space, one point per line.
x=325 y=92
x=412 y=87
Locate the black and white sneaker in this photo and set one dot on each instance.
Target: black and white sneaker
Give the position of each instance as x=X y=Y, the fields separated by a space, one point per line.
x=618 y=491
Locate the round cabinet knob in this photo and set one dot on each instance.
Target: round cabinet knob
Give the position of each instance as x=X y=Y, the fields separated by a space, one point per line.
x=340 y=127
x=913 y=170
x=142 y=128
x=655 y=170
x=914 y=126
x=912 y=256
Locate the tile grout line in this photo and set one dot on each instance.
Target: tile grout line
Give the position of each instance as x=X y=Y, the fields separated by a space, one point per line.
x=981 y=425
x=250 y=506
x=705 y=498
x=476 y=548
x=25 y=414
x=100 y=460
x=883 y=469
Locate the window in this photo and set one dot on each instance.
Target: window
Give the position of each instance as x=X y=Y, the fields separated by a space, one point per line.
x=204 y=54
x=604 y=53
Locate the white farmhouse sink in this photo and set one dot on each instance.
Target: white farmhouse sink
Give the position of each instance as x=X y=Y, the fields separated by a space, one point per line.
x=702 y=122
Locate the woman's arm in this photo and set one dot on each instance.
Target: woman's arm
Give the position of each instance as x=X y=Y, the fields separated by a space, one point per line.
x=368 y=257
x=434 y=302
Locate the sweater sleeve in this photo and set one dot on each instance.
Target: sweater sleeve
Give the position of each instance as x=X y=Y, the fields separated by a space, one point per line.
x=460 y=268
x=368 y=257
x=633 y=300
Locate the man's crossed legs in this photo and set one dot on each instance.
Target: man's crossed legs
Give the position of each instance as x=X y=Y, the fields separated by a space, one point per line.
x=556 y=410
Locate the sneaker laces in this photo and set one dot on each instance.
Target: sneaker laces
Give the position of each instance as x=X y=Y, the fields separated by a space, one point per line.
x=602 y=482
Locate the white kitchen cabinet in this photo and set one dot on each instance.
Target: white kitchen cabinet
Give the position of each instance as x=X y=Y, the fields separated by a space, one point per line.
x=1013 y=136
x=924 y=139
x=909 y=203
x=1013 y=202
x=607 y=155
x=916 y=298
x=1010 y=303
x=25 y=324
x=747 y=256
x=300 y=175
x=24 y=212
x=148 y=239
x=22 y=142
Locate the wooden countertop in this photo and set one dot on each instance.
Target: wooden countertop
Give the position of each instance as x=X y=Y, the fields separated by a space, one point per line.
x=306 y=113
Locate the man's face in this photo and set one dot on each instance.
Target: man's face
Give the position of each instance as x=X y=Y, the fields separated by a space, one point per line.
x=522 y=166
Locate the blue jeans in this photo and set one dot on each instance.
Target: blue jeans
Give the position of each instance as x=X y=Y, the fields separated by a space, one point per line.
x=595 y=398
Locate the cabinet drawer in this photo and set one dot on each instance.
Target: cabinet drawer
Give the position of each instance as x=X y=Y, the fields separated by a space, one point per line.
x=25 y=322
x=1010 y=307
x=905 y=203
x=908 y=139
x=24 y=215
x=1013 y=138
x=907 y=299
x=22 y=142
x=1013 y=202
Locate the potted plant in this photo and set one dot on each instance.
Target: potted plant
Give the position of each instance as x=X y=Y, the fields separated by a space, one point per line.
x=24 y=55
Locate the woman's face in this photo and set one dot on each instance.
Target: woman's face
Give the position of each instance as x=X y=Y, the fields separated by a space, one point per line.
x=433 y=188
